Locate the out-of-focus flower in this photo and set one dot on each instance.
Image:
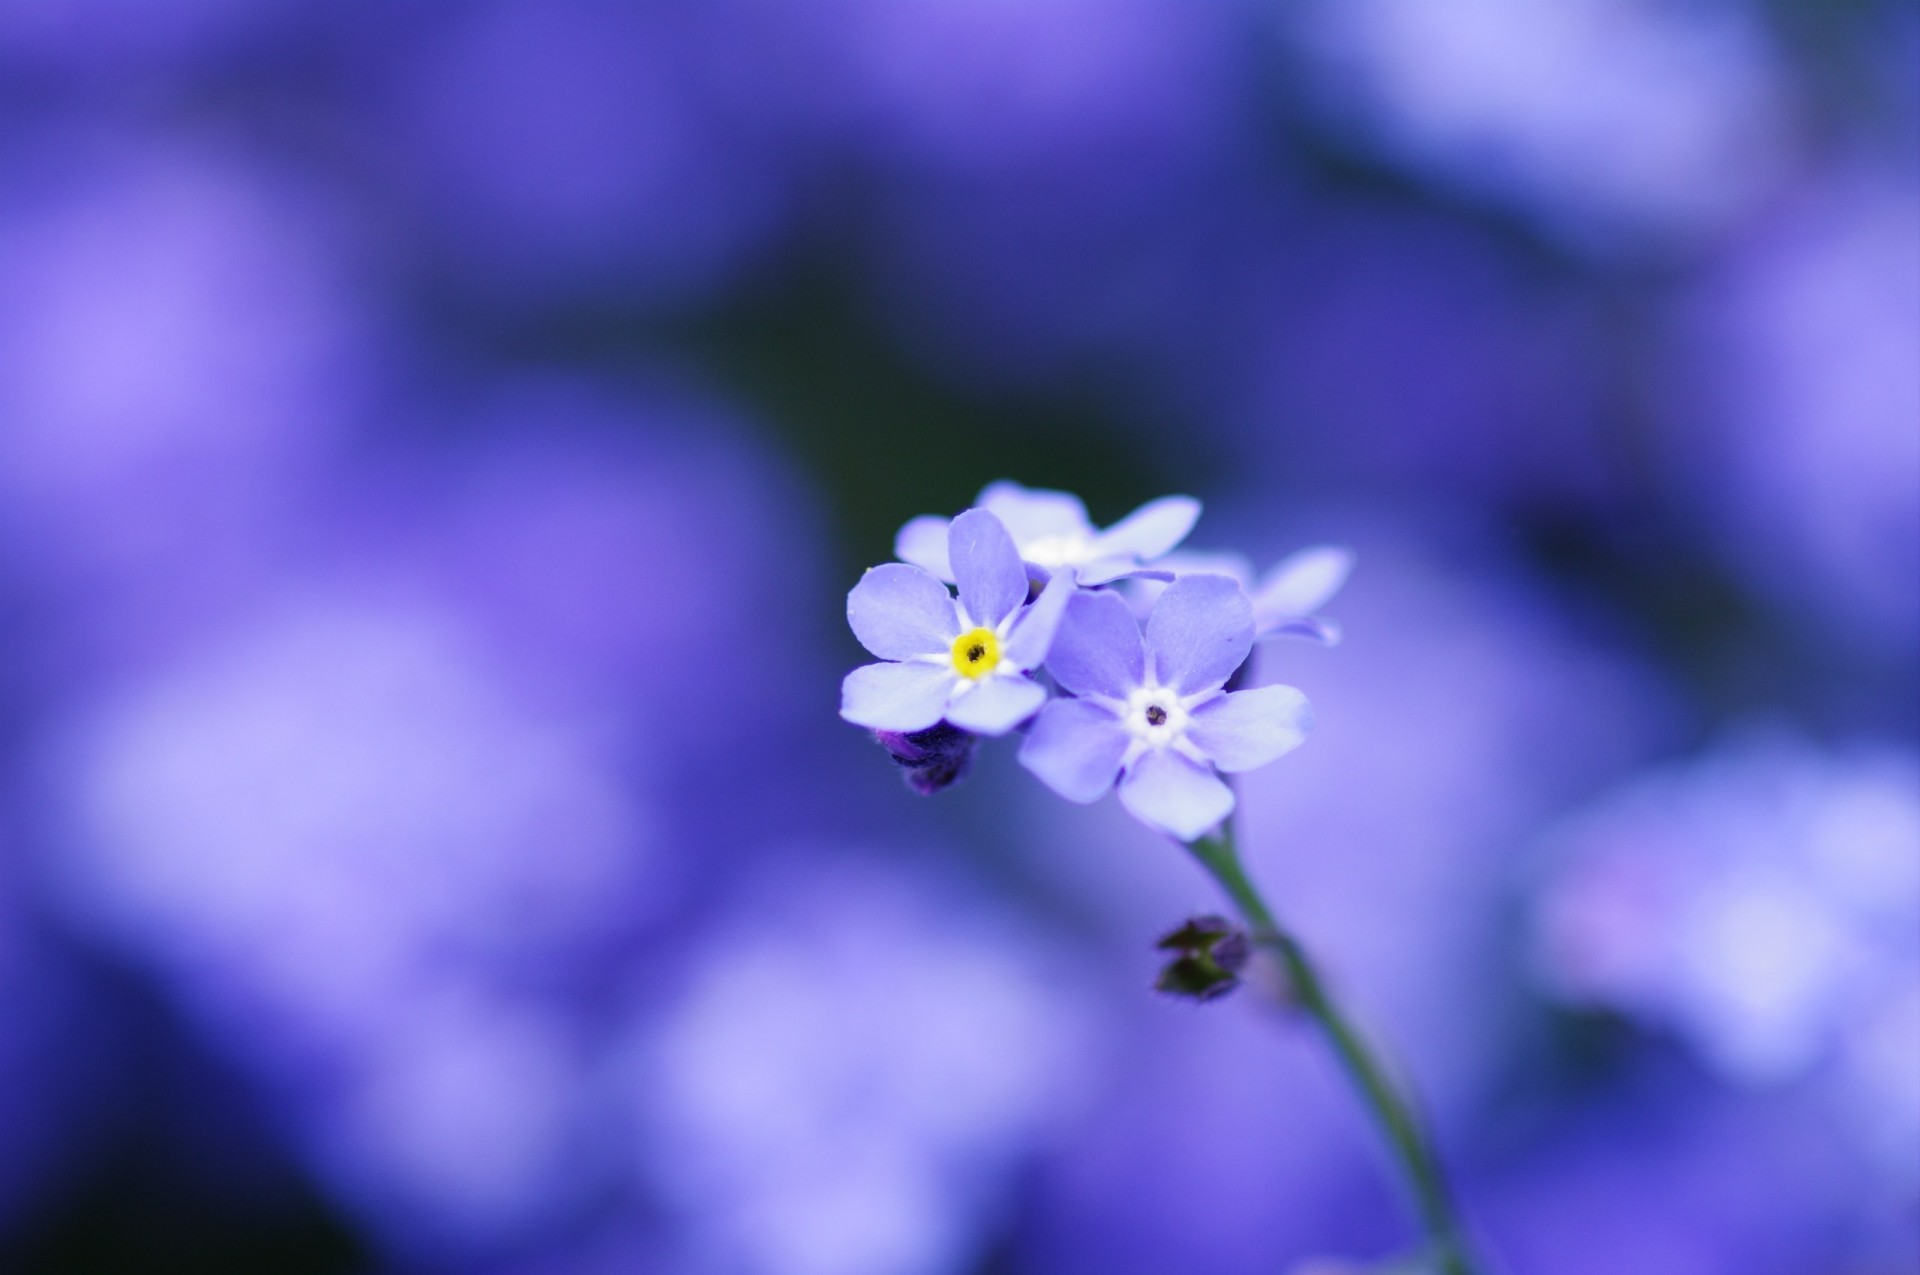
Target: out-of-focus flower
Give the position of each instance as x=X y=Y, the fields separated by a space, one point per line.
x=1747 y=901
x=533 y=527
x=179 y=356
x=1053 y=534
x=966 y=662
x=854 y=1066
x=385 y=833
x=1879 y=1082
x=350 y=850
x=1762 y=903
x=1614 y=122
x=1150 y=710
x=1794 y=443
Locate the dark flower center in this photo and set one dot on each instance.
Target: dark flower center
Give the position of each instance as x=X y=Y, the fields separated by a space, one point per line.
x=1156 y=715
x=976 y=653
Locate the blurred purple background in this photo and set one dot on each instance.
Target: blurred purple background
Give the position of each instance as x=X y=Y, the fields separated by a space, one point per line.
x=435 y=443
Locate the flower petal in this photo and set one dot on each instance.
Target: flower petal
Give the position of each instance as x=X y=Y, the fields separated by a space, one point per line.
x=1188 y=562
x=1150 y=530
x=898 y=612
x=1165 y=790
x=996 y=705
x=1313 y=628
x=896 y=696
x=1033 y=632
x=1031 y=514
x=1200 y=631
x=1303 y=582
x=1106 y=570
x=1098 y=650
x=1245 y=729
x=992 y=579
x=1075 y=749
x=923 y=542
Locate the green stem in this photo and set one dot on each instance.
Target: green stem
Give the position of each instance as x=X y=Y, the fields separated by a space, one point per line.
x=1391 y=1111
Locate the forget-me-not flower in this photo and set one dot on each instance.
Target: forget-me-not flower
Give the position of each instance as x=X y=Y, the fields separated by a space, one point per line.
x=965 y=661
x=1054 y=534
x=1287 y=597
x=1151 y=710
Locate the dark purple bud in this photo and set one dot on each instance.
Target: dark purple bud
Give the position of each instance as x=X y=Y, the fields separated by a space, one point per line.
x=935 y=758
x=1209 y=953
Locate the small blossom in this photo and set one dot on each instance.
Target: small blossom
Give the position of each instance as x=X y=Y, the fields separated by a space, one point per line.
x=1285 y=600
x=1151 y=710
x=1054 y=534
x=966 y=661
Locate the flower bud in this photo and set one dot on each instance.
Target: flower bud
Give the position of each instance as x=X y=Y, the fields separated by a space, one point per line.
x=931 y=759
x=1209 y=953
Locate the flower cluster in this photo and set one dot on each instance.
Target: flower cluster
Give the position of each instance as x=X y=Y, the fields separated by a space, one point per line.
x=1110 y=652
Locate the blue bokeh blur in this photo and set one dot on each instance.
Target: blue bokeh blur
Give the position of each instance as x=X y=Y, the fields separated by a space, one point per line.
x=435 y=443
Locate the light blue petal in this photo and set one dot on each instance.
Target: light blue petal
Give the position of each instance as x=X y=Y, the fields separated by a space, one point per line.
x=1303 y=582
x=992 y=579
x=923 y=542
x=1033 y=633
x=1166 y=791
x=996 y=705
x=1245 y=729
x=1313 y=628
x=1032 y=514
x=1107 y=570
x=1097 y=650
x=1075 y=749
x=1217 y=562
x=896 y=696
x=1150 y=530
x=1200 y=631
x=898 y=612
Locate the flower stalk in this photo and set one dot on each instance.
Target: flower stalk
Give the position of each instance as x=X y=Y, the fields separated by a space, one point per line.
x=1392 y=1111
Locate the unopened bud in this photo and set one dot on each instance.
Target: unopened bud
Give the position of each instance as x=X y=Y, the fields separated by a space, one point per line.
x=932 y=759
x=1209 y=953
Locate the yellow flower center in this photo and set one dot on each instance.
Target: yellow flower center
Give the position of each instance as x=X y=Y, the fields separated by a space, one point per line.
x=976 y=652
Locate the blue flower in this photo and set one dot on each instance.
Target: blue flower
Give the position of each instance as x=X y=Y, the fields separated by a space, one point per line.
x=1054 y=534
x=1285 y=600
x=966 y=661
x=1151 y=710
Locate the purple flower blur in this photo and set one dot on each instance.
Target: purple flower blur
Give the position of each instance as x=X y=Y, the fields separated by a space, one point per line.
x=1151 y=711
x=1053 y=533
x=1613 y=122
x=1762 y=903
x=967 y=663
x=851 y=1066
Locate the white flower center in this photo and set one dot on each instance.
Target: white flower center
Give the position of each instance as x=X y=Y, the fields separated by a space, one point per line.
x=1155 y=717
x=1069 y=549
